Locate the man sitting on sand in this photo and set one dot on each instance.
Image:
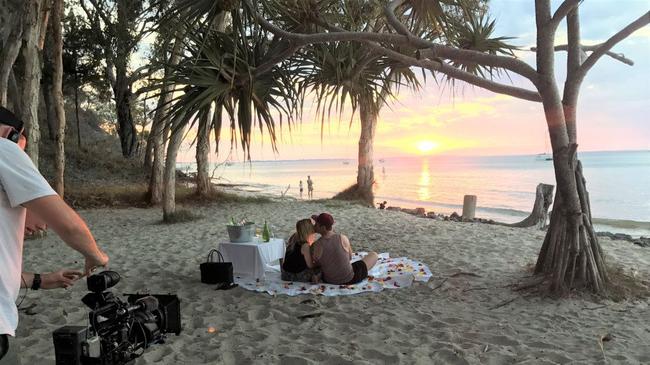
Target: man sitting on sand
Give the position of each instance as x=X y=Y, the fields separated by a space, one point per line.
x=332 y=252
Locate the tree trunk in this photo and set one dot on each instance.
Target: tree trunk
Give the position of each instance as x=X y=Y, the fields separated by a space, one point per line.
x=14 y=100
x=169 y=193
x=203 y=186
x=539 y=214
x=48 y=100
x=57 y=93
x=76 y=111
x=126 y=126
x=11 y=28
x=159 y=132
x=365 y=172
x=47 y=80
x=570 y=256
x=32 y=76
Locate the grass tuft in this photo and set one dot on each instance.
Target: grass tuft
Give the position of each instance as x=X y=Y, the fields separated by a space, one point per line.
x=181 y=216
x=353 y=193
x=625 y=284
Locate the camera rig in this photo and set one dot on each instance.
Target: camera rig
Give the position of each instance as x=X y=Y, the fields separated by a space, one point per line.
x=119 y=330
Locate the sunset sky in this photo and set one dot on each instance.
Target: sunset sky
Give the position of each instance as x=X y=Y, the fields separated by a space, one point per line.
x=613 y=108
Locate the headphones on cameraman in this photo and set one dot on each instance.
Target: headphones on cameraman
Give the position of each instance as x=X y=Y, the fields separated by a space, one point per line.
x=8 y=118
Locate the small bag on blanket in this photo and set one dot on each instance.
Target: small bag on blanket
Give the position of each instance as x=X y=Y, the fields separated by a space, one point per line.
x=216 y=272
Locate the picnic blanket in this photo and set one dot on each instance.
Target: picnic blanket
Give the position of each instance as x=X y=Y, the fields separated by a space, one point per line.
x=388 y=273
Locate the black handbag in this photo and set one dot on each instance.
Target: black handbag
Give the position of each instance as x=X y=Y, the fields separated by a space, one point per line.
x=215 y=272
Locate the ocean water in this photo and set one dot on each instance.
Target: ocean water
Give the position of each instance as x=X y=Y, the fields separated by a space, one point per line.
x=618 y=183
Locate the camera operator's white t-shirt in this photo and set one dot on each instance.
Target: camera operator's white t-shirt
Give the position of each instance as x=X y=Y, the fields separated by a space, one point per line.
x=20 y=182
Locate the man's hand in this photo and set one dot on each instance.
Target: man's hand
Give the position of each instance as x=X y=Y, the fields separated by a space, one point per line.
x=94 y=262
x=59 y=279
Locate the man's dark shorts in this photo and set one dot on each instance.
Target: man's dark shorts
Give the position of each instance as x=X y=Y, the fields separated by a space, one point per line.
x=360 y=272
x=4 y=345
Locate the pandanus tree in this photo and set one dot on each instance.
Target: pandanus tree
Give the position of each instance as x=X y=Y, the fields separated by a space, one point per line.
x=570 y=257
x=341 y=72
x=233 y=77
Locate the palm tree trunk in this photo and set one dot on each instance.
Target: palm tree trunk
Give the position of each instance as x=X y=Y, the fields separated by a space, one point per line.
x=57 y=94
x=365 y=172
x=169 y=193
x=203 y=186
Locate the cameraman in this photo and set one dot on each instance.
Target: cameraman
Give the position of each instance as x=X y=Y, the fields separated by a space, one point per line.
x=23 y=188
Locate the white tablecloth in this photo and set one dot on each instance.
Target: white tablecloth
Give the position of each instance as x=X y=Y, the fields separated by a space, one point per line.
x=250 y=258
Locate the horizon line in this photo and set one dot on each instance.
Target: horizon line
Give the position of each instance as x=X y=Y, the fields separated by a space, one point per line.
x=421 y=156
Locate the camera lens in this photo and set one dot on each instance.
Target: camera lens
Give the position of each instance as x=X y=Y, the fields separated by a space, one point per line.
x=99 y=282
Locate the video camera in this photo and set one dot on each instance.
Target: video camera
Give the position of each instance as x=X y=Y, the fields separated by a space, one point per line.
x=119 y=330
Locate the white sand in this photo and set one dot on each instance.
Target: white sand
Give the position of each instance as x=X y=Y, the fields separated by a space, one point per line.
x=455 y=322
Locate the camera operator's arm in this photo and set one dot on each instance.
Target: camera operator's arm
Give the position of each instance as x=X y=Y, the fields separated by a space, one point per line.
x=70 y=227
x=52 y=280
x=33 y=224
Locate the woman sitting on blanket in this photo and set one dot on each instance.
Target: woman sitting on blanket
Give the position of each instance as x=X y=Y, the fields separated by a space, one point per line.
x=298 y=264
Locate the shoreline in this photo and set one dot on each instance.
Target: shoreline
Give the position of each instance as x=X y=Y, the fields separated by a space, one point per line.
x=624 y=229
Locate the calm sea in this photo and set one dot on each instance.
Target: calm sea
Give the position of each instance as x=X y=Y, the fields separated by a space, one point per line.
x=618 y=183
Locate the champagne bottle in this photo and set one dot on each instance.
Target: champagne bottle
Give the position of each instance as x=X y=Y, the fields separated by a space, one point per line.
x=266 y=234
x=232 y=221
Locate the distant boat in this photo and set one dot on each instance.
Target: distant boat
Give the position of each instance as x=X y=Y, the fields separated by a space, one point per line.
x=381 y=160
x=346 y=162
x=543 y=157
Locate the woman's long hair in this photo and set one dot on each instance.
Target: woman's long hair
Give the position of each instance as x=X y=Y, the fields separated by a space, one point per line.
x=304 y=228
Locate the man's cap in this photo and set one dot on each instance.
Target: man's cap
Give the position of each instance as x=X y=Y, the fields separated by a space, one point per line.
x=325 y=219
x=10 y=119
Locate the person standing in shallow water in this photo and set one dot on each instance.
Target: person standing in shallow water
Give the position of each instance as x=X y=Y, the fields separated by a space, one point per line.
x=300 y=185
x=310 y=187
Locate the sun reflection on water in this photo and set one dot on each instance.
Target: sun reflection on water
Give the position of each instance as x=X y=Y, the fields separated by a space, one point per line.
x=425 y=182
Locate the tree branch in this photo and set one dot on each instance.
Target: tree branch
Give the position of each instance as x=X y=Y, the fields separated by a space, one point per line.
x=268 y=65
x=389 y=10
x=99 y=10
x=562 y=11
x=611 y=42
x=453 y=72
x=431 y=50
x=617 y=56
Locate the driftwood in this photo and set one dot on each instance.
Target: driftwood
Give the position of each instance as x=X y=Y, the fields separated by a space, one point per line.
x=539 y=215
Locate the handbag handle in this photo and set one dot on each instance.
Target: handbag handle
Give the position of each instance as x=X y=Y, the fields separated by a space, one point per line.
x=211 y=256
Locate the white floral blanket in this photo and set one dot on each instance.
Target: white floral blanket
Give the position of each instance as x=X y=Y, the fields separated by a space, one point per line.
x=388 y=273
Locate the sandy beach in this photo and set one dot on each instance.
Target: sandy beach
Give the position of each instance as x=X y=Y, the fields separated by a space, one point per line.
x=452 y=319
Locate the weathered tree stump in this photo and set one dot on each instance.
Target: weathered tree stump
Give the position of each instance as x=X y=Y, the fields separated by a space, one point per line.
x=539 y=214
x=469 y=207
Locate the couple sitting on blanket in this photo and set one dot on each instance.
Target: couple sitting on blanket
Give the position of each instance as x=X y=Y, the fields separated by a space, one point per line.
x=326 y=259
